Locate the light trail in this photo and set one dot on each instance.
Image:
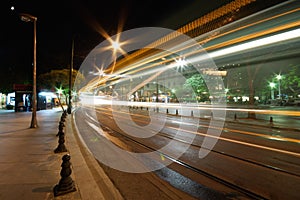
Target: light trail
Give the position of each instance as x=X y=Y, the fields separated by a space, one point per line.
x=249 y=45
x=148 y=63
x=240 y=28
x=101 y=101
x=144 y=64
x=227 y=139
x=258 y=43
x=250 y=36
x=246 y=143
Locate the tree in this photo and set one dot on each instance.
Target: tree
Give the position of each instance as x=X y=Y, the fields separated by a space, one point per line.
x=291 y=81
x=252 y=74
x=198 y=85
x=59 y=79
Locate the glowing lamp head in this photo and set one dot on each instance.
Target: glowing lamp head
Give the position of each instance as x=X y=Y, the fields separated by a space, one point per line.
x=115 y=45
x=272 y=85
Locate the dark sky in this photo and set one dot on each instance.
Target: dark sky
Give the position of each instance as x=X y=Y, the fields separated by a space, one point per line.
x=58 y=22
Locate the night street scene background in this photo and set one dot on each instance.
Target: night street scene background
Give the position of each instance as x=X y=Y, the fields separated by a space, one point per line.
x=173 y=99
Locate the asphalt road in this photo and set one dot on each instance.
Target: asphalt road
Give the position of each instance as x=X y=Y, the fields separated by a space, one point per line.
x=200 y=158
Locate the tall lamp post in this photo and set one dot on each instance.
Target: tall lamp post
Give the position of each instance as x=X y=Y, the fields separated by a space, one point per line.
x=29 y=18
x=279 y=77
x=272 y=86
x=69 y=109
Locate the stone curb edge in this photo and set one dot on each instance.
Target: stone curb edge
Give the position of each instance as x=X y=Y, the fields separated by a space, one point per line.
x=92 y=181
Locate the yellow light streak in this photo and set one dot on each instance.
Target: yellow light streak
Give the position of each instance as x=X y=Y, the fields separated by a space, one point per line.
x=136 y=66
x=284 y=139
x=247 y=37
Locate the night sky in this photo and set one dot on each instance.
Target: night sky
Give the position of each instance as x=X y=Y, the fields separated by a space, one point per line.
x=58 y=22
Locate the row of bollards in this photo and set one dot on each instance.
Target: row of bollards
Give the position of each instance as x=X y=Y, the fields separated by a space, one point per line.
x=66 y=183
x=61 y=135
x=156 y=109
x=270 y=120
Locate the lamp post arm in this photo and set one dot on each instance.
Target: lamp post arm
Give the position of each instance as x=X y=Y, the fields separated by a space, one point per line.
x=27 y=17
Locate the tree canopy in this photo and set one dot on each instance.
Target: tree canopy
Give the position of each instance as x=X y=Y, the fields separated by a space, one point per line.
x=291 y=81
x=58 y=79
x=198 y=85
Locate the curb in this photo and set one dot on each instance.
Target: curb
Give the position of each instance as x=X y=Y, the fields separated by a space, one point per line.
x=90 y=178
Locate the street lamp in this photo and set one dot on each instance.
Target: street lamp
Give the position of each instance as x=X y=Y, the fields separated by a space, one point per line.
x=69 y=109
x=29 y=18
x=226 y=91
x=272 y=86
x=279 y=77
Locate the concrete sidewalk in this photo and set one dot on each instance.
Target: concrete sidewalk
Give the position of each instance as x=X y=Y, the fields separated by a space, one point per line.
x=29 y=168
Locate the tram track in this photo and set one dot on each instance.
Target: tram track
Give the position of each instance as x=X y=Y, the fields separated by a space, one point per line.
x=248 y=192
x=245 y=192
x=215 y=178
x=226 y=139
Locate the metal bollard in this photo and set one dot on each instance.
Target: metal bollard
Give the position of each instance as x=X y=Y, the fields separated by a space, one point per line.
x=60 y=132
x=64 y=114
x=176 y=111
x=61 y=144
x=192 y=113
x=62 y=119
x=271 y=120
x=66 y=183
x=60 y=128
x=61 y=124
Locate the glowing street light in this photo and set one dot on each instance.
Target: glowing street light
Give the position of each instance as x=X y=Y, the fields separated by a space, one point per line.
x=279 y=77
x=116 y=45
x=180 y=63
x=272 y=86
x=59 y=91
x=29 y=18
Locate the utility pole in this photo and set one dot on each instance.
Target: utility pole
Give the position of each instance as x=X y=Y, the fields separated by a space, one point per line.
x=69 y=110
x=29 y=18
